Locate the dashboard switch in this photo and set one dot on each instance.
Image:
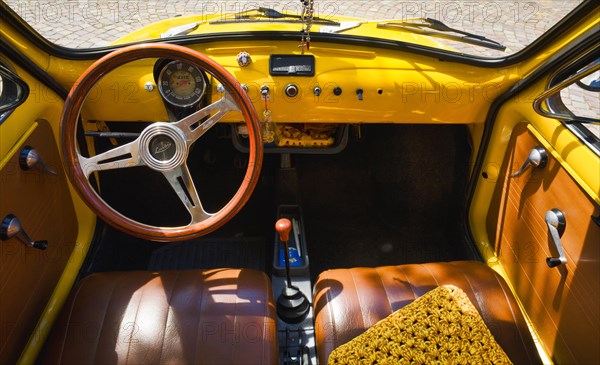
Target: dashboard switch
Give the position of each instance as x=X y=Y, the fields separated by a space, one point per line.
x=359 y=92
x=291 y=90
x=317 y=90
x=265 y=91
x=337 y=91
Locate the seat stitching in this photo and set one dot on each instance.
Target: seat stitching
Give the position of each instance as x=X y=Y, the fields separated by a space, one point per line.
x=514 y=317
x=507 y=301
x=235 y=314
x=199 y=317
x=384 y=289
x=432 y=274
x=169 y=299
x=112 y=292
x=137 y=311
x=266 y=318
x=62 y=348
x=479 y=304
x=408 y=281
x=360 y=306
x=330 y=310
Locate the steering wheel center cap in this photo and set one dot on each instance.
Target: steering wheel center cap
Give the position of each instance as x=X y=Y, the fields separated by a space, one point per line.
x=163 y=147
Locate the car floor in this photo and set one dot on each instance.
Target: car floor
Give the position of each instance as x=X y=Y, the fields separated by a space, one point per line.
x=394 y=195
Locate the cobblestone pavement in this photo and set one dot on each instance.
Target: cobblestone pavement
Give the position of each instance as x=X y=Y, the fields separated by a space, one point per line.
x=96 y=23
x=82 y=24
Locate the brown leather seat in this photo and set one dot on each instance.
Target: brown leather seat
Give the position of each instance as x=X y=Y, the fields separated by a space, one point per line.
x=222 y=316
x=348 y=301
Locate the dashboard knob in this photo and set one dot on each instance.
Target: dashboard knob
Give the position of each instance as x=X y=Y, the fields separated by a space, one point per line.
x=337 y=91
x=291 y=90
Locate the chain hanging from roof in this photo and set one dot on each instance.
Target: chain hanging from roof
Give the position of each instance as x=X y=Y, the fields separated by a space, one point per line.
x=307 y=19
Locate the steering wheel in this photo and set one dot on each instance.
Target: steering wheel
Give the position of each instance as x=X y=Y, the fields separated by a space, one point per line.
x=161 y=146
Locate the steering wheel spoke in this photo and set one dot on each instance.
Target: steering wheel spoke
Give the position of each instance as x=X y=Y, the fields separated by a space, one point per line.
x=117 y=158
x=194 y=127
x=181 y=181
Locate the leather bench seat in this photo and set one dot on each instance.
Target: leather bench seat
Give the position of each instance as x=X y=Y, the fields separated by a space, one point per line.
x=349 y=301
x=222 y=316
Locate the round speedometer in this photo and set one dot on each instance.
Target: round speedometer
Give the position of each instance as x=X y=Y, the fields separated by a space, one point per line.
x=181 y=84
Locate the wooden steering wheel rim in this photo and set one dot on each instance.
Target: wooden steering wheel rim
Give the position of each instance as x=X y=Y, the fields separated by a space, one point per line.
x=70 y=118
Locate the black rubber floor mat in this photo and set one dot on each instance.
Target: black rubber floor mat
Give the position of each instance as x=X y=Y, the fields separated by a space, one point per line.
x=211 y=253
x=396 y=196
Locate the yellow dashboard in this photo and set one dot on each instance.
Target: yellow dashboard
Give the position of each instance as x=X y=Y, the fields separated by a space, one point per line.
x=357 y=85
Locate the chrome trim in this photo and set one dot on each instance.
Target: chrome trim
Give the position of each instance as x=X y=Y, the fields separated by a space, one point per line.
x=549 y=103
x=291 y=90
x=181 y=181
x=538 y=103
x=193 y=127
x=129 y=153
x=163 y=129
x=193 y=101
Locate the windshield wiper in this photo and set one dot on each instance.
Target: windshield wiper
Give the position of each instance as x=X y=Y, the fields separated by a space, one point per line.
x=181 y=30
x=435 y=28
x=268 y=14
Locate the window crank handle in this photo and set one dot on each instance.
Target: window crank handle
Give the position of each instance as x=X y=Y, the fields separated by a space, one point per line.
x=556 y=222
x=11 y=227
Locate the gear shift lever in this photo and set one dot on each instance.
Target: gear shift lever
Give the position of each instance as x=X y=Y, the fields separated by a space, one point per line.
x=283 y=227
x=292 y=304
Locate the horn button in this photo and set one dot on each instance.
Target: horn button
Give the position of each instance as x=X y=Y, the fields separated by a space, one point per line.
x=163 y=147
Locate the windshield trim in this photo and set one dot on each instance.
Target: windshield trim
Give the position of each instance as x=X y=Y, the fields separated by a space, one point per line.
x=582 y=10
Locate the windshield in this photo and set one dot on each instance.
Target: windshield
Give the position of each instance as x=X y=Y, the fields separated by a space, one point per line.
x=89 y=24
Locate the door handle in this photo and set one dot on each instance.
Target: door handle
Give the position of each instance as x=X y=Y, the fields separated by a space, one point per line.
x=556 y=222
x=538 y=157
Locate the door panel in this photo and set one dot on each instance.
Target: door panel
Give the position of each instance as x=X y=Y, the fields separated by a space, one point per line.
x=43 y=204
x=562 y=302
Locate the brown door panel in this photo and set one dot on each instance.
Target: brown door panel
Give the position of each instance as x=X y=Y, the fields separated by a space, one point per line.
x=28 y=276
x=562 y=302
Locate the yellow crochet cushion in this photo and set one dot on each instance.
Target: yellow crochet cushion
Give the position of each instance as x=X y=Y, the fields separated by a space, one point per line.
x=441 y=327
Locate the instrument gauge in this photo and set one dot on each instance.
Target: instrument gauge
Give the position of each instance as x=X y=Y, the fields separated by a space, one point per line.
x=181 y=84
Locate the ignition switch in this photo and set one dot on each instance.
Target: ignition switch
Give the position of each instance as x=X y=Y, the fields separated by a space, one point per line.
x=359 y=92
